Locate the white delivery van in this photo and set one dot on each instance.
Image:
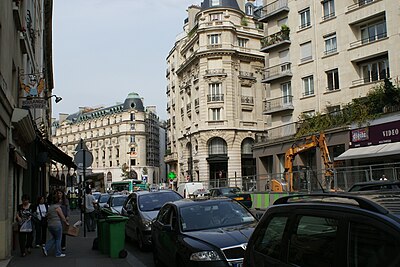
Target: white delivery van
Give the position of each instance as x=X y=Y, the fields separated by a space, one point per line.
x=187 y=189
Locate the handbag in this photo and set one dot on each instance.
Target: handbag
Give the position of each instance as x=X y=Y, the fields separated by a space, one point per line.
x=26 y=226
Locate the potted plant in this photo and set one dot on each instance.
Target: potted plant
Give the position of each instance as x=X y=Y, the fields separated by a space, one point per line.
x=285 y=31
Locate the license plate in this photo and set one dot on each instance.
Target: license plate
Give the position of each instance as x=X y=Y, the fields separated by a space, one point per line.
x=238 y=264
x=238 y=198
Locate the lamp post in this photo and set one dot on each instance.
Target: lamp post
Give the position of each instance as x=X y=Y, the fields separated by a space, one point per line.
x=188 y=136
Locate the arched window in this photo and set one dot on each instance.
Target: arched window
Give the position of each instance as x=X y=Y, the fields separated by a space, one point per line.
x=249 y=9
x=217 y=146
x=247 y=146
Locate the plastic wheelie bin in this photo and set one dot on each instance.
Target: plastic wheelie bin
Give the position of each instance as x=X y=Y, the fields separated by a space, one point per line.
x=116 y=236
x=103 y=236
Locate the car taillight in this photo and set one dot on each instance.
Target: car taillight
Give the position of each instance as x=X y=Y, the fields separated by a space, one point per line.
x=248 y=198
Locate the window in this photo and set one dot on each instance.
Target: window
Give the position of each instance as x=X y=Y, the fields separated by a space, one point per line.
x=334 y=110
x=332 y=77
x=215 y=92
x=373 y=32
x=306 y=52
x=286 y=93
x=330 y=44
x=329 y=9
x=216 y=16
x=313 y=242
x=217 y=146
x=305 y=20
x=269 y=241
x=242 y=42
x=371 y=246
x=215 y=114
x=132 y=116
x=308 y=85
x=132 y=139
x=249 y=9
x=282 y=22
x=309 y=114
x=213 y=39
x=132 y=127
x=375 y=71
x=215 y=2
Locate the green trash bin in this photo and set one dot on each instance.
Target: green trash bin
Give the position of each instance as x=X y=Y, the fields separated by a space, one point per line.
x=103 y=236
x=116 y=236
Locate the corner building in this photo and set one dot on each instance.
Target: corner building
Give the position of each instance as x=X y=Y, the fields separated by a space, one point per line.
x=122 y=137
x=215 y=97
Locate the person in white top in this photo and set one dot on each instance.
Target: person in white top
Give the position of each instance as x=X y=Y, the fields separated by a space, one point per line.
x=41 y=225
x=90 y=203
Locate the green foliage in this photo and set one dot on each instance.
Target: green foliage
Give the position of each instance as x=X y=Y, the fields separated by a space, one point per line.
x=360 y=110
x=244 y=22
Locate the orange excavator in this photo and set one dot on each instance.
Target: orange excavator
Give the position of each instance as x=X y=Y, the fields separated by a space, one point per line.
x=309 y=143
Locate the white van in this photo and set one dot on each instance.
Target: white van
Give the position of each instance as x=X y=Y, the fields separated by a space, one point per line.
x=187 y=189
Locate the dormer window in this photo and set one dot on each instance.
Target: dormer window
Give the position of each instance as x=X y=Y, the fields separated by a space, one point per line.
x=249 y=9
x=216 y=16
x=215 y=2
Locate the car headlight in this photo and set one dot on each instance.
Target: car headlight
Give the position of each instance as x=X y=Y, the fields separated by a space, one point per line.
x=205 y=256
x=146 y=223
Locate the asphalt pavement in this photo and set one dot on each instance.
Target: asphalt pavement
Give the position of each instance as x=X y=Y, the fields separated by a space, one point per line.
x=79 y=253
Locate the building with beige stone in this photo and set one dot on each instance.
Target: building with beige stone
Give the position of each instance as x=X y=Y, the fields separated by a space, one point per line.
x=319 y=56
x=124 y=140
x=215 y=95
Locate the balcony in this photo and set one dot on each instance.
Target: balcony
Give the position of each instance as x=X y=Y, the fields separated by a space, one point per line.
x=286 y=130
x=276 y=72
x=279 y=104
x=215 y=72
x=360 y=4
x=373 y=79
x=274 y=40
x=246 y=75
x=215 y=98
x=189 y=107
x=368 y=40
x=172 y=157
x=247 y=100
x=273 y=9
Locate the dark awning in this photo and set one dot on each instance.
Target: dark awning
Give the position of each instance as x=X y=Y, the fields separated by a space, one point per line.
x=55 y=153
x=22 y=121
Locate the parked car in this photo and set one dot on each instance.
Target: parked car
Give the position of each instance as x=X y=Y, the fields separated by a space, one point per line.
x=375 y=185
x=202 y=232
x=142 y=207
x=103 y=199
x=115 y=203
x=234 y=193
x=96 y=195
x=330 y=229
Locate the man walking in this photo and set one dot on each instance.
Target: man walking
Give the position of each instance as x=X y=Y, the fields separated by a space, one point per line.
x=90 y=203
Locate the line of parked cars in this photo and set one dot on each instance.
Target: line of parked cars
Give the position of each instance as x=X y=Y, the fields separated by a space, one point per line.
x=357 y=228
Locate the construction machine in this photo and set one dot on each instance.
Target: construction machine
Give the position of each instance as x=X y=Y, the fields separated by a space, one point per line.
x=313 y=141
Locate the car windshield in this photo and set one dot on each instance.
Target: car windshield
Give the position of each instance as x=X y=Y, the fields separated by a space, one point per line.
x=230 y=190
x=208 y=215
x=118 y=201
x=150 y=202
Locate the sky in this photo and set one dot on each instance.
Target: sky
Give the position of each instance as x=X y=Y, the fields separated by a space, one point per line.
x=105 y=49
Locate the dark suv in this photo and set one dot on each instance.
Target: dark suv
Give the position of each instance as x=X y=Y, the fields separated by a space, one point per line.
x=343 y=229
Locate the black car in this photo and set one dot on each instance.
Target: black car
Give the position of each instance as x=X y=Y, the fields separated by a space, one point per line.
x=234 y=193
x=339 y=229
x=375 y=185
x=142 y=207
x=202 y=232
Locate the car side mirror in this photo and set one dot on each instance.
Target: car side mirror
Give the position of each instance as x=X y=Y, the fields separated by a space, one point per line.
x=106 y=206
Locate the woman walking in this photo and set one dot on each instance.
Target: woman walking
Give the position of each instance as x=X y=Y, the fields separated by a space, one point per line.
x=64 y=205
x=55 y=217
x=41 y=224
x=24 y=219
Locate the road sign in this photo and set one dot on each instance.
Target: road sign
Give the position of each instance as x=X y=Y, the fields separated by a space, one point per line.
x=171 y=175
x=78 y=159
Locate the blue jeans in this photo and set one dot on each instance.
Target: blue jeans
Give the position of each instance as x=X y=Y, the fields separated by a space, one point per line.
x=56 y=234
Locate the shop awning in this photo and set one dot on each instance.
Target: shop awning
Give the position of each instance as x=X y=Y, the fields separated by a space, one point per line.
x=56 y=154
x=22 y=122
x=371 y=151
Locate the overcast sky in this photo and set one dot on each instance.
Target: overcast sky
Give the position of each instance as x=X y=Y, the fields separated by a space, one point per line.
x=105 y=49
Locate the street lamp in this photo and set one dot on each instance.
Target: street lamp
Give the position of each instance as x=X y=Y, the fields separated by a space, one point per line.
x=188 y=136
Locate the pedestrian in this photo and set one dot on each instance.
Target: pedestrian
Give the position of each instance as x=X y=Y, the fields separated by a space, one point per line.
x=90 y=203
x=41 y=222
x=25 y=227
x=64 y=205
x=55 y=218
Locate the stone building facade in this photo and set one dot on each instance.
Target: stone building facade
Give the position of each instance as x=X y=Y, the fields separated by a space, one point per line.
x=123 y=138
x=214 y=93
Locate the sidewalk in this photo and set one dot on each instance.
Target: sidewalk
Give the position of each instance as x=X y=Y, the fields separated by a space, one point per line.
x=79 y=253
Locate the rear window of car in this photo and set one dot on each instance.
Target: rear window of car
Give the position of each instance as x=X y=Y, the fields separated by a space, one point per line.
x=152 y=202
